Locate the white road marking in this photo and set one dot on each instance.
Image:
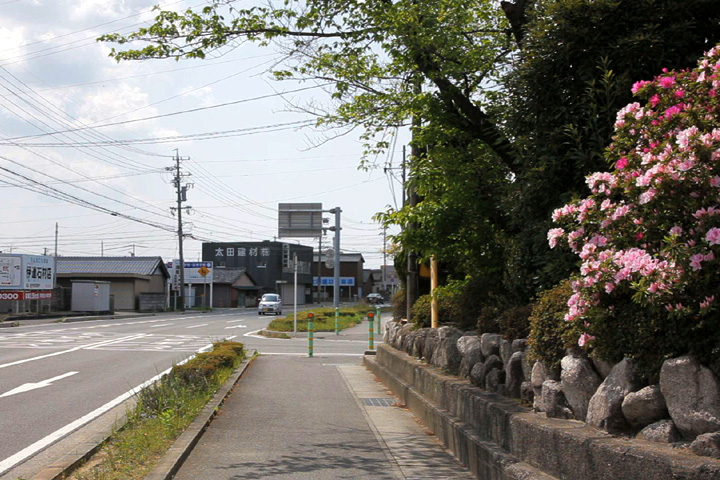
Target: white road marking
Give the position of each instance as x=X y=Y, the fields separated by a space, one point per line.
x=235 y=321
x=31 y=450
x=200 y=325
x=236 y=326
x=162 y=325
x=130 y=337
x=34 y=386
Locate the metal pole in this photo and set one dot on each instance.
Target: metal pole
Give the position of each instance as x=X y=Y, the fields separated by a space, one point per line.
x=310 y=328
x=319 y=271
x=371 y=337
x=56 y=238
x=379 y=319
x=295 y=294
x=336 y=280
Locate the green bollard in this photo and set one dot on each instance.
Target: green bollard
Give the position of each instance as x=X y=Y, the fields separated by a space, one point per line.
x=379 y=319
x=310 y=328
x=337 y=320
x=371 y=330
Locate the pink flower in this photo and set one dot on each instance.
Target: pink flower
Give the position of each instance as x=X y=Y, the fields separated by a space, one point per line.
x=622 y=163
x=584 y=339
x=667 y=82
x=654 y=100
x=553 y=235
x=713 y=236
x=676 y=230
x=696 y=261
x=639 y=85
x=707 y=302
x=679 y=93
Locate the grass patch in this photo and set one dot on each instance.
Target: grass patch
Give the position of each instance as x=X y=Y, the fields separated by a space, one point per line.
x=324 y=320
x=269 y=334
x=163 y=411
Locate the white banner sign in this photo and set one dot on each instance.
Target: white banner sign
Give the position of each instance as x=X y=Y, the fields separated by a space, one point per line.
x=27 y=272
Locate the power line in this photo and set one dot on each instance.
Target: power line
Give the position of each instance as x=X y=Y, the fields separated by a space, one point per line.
x=165 y=115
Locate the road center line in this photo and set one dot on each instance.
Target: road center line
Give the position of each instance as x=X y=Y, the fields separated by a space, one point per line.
x=90 y=345
x=200 y=325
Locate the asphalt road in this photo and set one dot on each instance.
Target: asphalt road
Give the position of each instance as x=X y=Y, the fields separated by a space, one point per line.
x=55 y=377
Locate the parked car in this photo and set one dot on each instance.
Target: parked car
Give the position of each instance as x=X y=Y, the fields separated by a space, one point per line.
x=270 y=303
x=374 y=298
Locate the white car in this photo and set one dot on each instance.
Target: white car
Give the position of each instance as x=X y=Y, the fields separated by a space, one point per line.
x=270 y=303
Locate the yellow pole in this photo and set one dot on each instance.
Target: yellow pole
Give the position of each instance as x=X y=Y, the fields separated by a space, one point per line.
x=434 y=308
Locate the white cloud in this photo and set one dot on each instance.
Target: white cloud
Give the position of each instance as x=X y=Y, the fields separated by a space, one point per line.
x=101 y=8
x=116 y=103
x=11 y=41
x=204 y=95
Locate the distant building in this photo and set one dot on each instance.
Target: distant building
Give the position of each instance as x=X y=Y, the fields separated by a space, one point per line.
x=129 y=277
x=385 y=280
x=268 y=264
x=351 y=277
x=233 y=287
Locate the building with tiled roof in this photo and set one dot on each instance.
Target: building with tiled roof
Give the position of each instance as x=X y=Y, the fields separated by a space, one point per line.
x=129 y=277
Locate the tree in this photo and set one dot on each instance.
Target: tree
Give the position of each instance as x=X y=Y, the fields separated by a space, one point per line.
x=578 y=61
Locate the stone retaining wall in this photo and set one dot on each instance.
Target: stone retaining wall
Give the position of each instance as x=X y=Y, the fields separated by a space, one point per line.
x=498 y=439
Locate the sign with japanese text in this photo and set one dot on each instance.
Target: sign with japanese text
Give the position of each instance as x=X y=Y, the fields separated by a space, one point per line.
x=27 y=272
x=33 y=295
x=330 y=281
x=195 y=272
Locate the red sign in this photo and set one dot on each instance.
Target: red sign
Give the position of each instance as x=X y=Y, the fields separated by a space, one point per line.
x=35 y=295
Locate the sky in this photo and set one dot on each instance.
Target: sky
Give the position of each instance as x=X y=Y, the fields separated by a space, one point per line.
x=85 y=142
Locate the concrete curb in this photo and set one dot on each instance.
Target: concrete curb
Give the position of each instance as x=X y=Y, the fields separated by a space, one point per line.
x=105 y=317
x=173 y=459
x=178 y=452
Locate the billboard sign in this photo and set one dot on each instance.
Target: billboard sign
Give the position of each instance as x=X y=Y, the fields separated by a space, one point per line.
x=27 y=272
x=195 y=272
x=300 y=220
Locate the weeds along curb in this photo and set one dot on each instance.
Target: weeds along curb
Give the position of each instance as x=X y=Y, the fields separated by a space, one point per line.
x=173 y=459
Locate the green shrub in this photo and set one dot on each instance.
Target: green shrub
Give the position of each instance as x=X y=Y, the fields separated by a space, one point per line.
x=515 y=322
x=421 y=311
x=451 y=307
x=488 y=320
x=550 y=335
x=399 y=304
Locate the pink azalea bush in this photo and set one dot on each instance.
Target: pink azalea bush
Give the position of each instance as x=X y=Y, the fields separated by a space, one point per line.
x=648 y=236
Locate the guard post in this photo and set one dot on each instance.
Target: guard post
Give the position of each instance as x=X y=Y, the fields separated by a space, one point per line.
x=310 y=329
x=379 y=319
x=371 y=331
x=337 y=320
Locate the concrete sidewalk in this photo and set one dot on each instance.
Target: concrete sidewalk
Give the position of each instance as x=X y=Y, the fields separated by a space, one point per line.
x=319 y=418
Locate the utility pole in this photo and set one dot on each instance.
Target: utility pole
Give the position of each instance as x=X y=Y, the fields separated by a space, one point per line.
x=336 y=280
x=181 y=191
x=56 y=237
x=384 y=270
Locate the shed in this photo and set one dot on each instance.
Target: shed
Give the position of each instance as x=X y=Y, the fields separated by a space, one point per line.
x=128 y=276
x=233 y=287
